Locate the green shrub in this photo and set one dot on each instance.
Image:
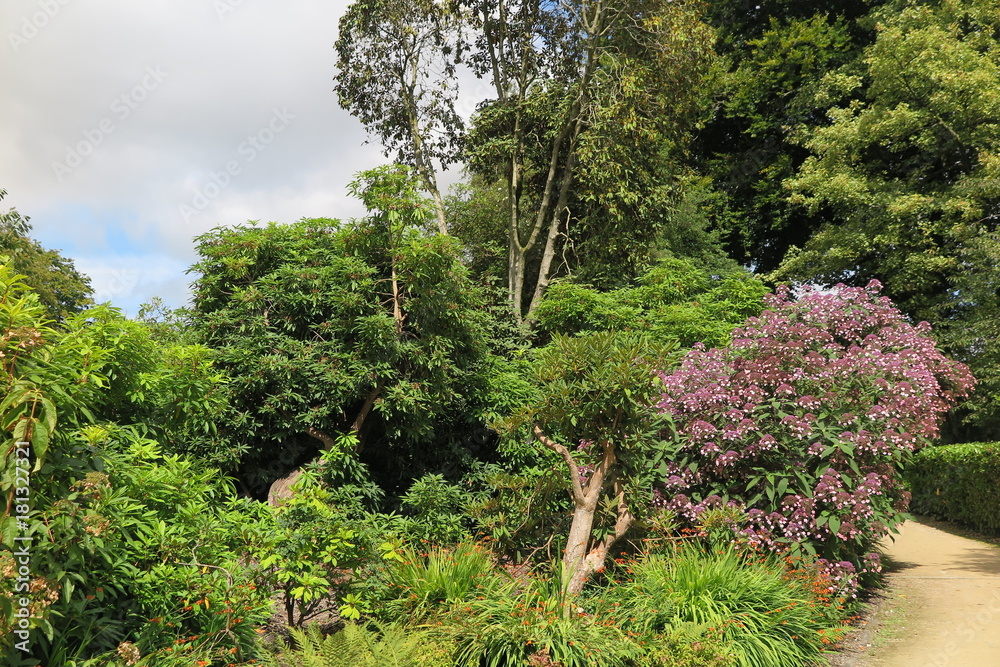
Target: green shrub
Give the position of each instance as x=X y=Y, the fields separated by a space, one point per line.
x=674 y=299
x=436 y=508
x=519 y=503
x=958 y=483
x=189 y=592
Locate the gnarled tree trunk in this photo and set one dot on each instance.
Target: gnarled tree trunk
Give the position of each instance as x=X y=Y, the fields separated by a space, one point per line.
x=581 y=558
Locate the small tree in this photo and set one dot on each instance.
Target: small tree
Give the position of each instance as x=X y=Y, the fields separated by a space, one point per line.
x=325 y=328
x=593 y=411
x=804 y=420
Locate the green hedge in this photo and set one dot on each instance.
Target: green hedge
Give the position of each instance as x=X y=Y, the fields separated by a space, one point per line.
x=958 y=483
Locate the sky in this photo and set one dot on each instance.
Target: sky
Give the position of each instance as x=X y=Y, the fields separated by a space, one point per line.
x=130 y=127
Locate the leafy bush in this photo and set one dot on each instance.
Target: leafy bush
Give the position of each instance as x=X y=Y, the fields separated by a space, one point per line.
x=118 y=549
x=172 y=393
x=804 y=420
x=437 y=510
x=674 y=299
x=309 y=553
x=300 y=320
x=182 y=528
x=518 y=507
x=958 y=483
x=51 y=382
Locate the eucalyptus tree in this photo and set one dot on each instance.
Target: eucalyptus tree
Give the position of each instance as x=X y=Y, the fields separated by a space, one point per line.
x=397 y=63
x=587 y=101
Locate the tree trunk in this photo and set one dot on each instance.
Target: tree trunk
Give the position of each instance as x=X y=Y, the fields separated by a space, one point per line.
x=545 y=270
x=580 y=559
x=281 y=489
x=575 y=562
x=366 y=408
x=562 y=156
x=425 y=168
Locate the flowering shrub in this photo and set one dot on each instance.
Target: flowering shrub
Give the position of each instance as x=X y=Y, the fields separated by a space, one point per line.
x=803 y=421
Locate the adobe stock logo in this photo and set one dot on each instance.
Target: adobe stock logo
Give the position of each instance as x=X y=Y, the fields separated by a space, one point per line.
x=254 y=145
x=122 y=107
x=30 y=26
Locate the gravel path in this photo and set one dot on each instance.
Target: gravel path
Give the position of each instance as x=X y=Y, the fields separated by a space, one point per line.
x=941 y=607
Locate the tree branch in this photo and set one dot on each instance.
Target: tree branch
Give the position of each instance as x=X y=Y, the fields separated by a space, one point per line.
x=574 y=470
x=327 y=441
x=365 y=409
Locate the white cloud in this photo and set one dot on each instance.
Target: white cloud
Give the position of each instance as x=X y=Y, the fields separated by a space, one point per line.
x=161 y=96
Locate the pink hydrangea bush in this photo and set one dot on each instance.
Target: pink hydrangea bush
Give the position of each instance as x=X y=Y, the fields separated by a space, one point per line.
x=804 y=420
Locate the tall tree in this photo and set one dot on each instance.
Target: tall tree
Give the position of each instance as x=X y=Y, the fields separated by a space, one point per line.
x=574 y=83
x=912 y=170
x=970 y=329
x=61 y=289
x=748 y=147
x=396 y=62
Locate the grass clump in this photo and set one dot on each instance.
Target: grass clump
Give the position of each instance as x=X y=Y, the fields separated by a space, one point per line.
x=762 y=614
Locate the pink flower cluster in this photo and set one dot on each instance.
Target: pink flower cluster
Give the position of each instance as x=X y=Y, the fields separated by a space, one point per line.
x=805 y=417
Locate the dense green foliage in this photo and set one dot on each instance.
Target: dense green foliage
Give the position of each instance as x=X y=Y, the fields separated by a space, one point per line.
x=674 y=299
x=326 y=328
x=958 y=483
x=910 y=170
x=118 y=549
x=495 y=459
x=972 y=331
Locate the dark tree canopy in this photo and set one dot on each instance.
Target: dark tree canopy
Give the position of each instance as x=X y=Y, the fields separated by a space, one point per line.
x=911 y=171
